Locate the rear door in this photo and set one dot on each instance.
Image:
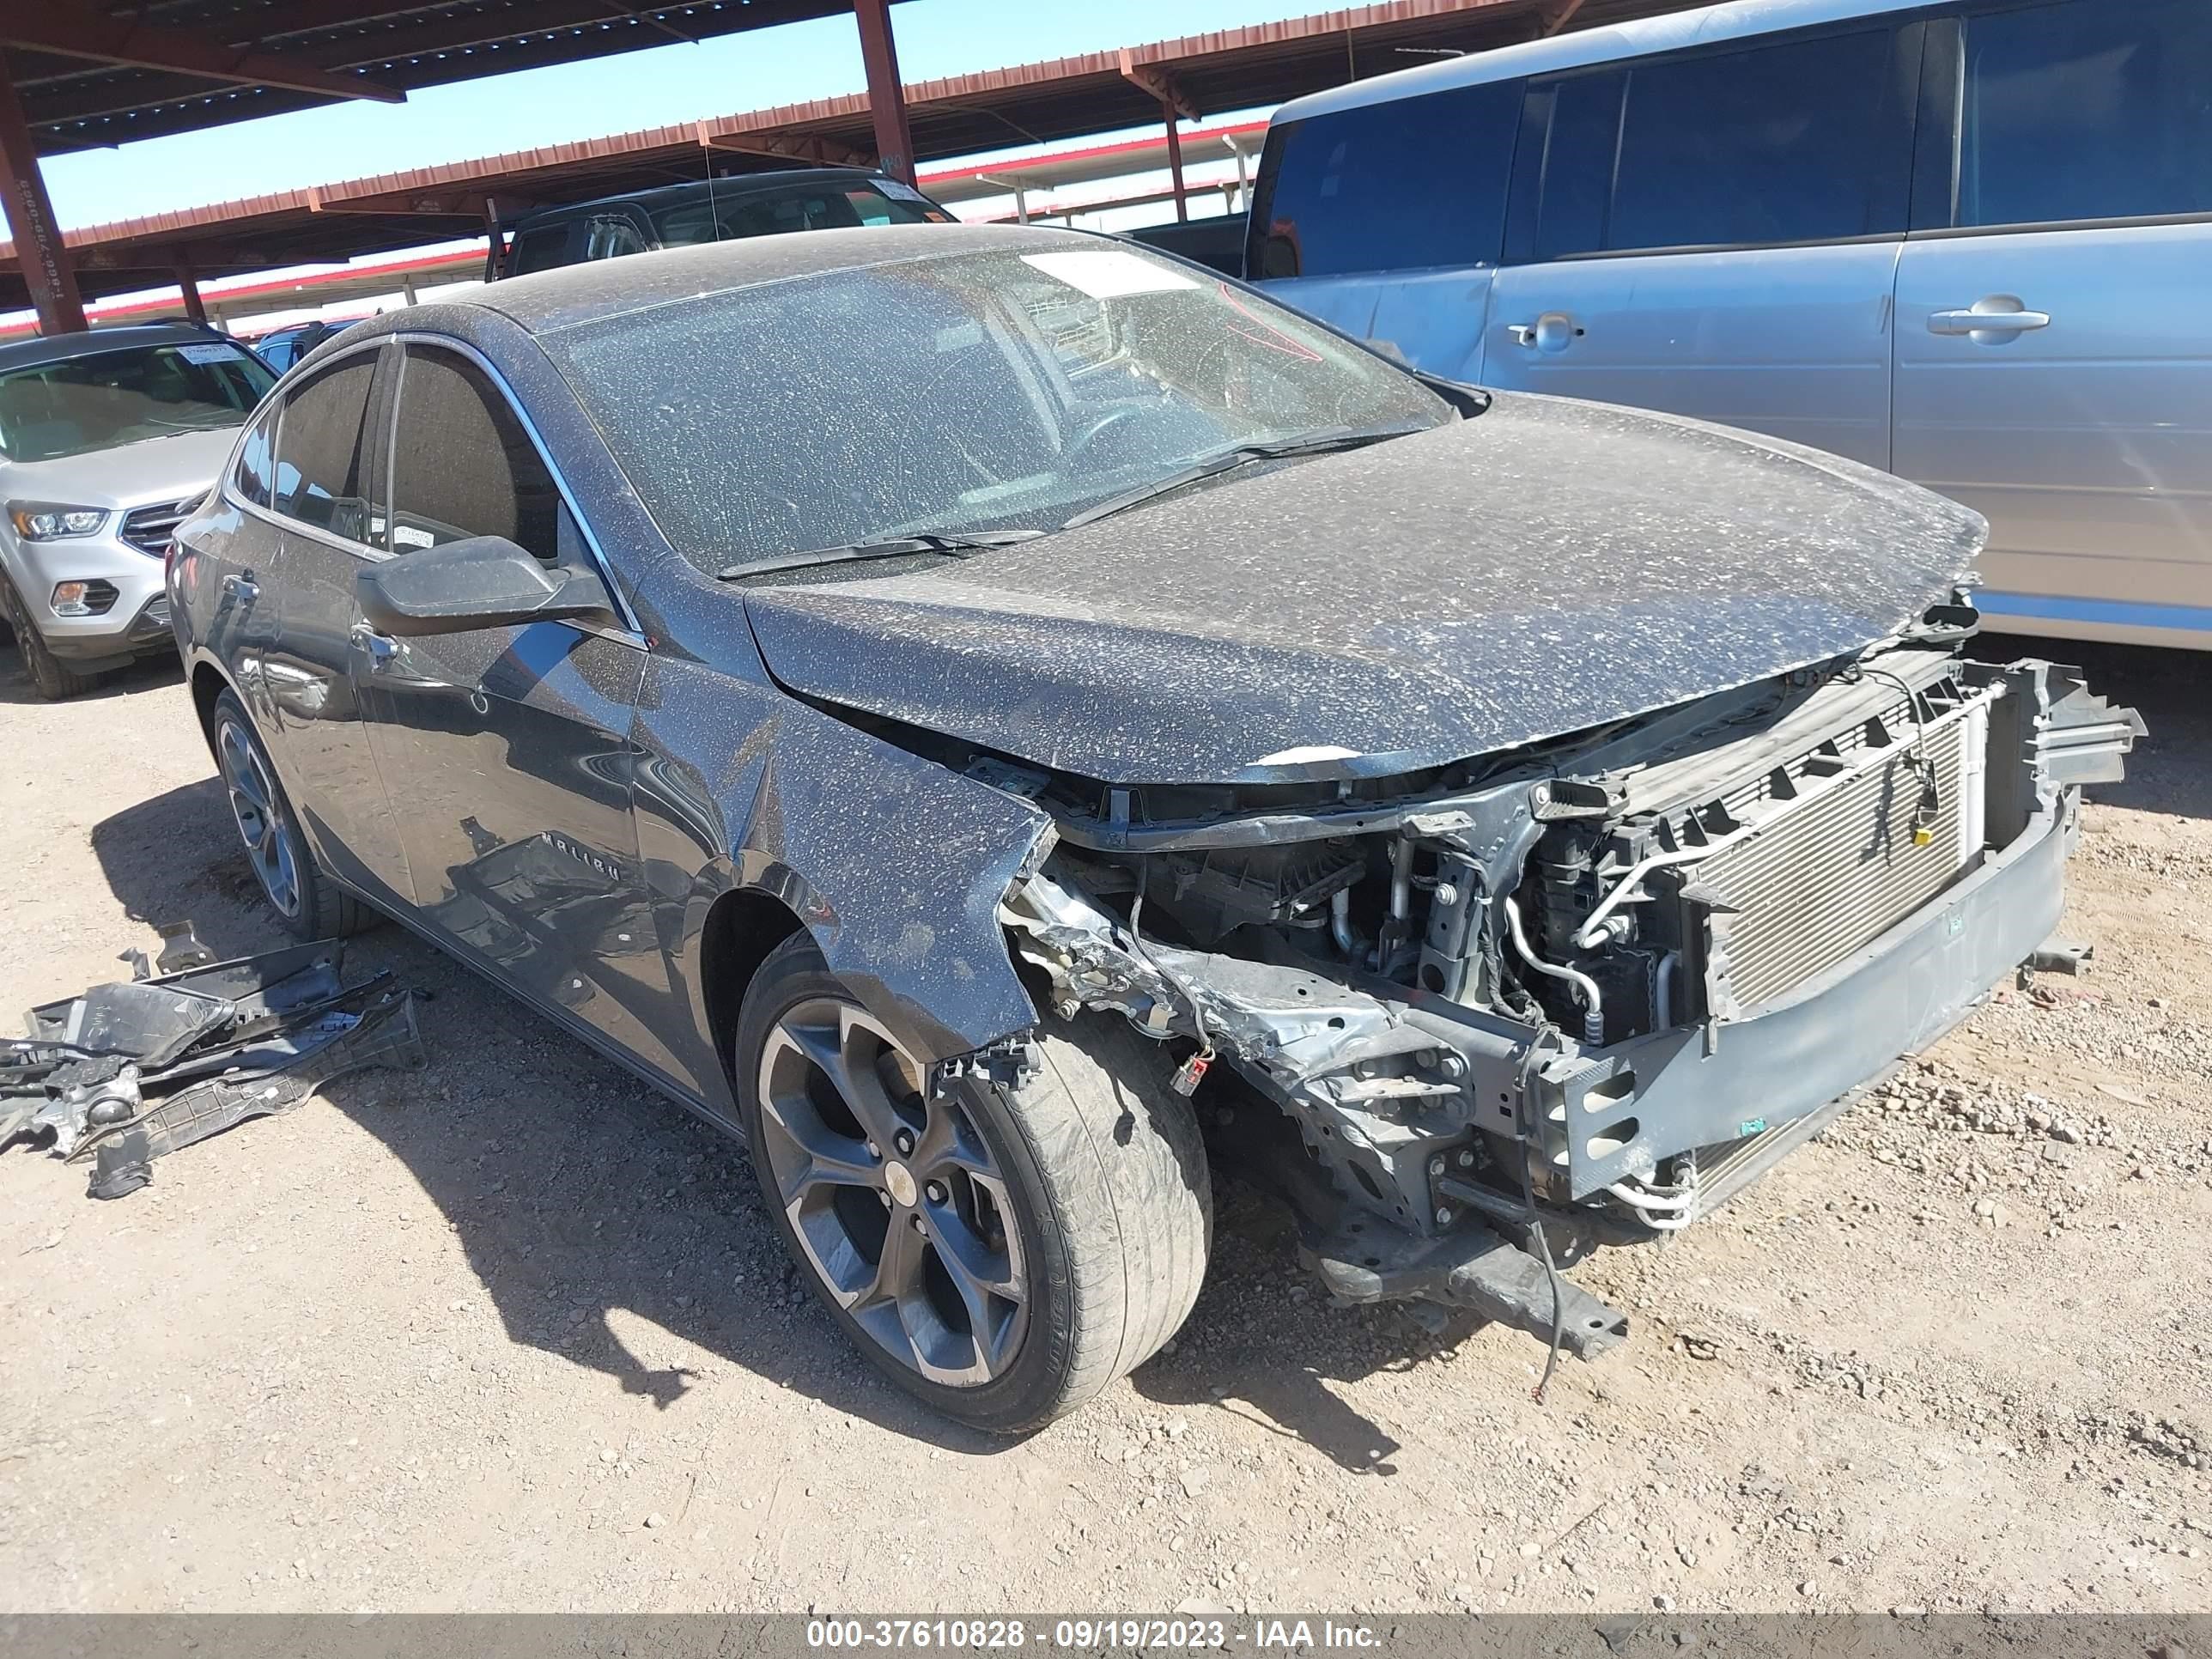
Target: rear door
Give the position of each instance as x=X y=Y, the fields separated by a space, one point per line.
x=1716 y=233
x=2054 y=348
x=507 y=748
x=231 y=587
x=1385 y=220
x=324 y=496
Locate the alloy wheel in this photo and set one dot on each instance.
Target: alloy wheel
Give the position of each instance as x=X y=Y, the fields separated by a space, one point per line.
x=898 y=1204
x=261 y=821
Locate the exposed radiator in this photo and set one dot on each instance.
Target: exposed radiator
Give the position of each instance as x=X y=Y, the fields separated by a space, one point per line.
x=1831 y=875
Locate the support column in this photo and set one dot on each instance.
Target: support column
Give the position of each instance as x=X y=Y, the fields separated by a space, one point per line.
x=496 y=246
x=39 y=248
x=1174 y=163
x=188 y=285
x=407 y=287
x=886 y=96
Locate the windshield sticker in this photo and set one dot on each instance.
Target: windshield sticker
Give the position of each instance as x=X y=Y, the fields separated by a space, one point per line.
x=211 y=354
x=1107 y=275
x=899 y=192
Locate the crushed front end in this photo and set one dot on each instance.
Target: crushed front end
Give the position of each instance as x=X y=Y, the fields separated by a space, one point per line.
x=1583 y=991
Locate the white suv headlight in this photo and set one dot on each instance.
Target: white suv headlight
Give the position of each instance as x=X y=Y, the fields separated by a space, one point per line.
x=48 y=521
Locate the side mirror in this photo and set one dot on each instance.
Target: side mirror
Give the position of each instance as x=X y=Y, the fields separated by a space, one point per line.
x=483 y=581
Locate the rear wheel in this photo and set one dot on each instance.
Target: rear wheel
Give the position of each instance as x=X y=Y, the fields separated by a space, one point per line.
x=1001 y=1254
x=51 y=677
x=312 y=905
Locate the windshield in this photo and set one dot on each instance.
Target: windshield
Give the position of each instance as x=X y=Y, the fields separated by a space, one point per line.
x=955 y=394
x=107 y=399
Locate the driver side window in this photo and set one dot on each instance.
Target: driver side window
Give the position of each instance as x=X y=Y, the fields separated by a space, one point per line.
x=463 y=466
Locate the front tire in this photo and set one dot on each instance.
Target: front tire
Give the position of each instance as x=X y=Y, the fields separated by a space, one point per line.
x=309 y=904
x=51 y=677
x=1002 y=1254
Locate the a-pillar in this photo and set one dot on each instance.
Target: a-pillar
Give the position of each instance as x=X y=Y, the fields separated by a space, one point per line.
x=40 y=252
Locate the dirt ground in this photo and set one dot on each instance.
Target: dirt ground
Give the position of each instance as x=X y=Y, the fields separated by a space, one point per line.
x=512 y=1333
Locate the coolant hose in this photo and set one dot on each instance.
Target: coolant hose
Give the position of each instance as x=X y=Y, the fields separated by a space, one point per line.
x=1593 y=1002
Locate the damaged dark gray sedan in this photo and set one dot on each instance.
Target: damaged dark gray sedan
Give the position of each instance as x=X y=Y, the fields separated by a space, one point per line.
x=1008 y=723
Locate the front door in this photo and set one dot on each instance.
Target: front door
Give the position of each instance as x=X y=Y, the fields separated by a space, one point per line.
x=507 y=749
x=323 y=493
x=2054 y=364
x=1716 y=234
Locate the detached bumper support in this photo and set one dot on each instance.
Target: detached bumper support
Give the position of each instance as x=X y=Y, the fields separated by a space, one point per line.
x=1472 y=1267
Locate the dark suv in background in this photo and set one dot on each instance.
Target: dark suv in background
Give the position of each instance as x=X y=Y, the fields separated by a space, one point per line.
x=714 y=210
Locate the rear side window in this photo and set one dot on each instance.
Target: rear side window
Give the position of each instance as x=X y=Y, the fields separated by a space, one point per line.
x=1412 y=184
x=256 y=461
x=462 y=464
x=543 y=248
x=609 y=236
x=320 y=465
x=2096 y=109
x=733 y=211
x=1801 y=141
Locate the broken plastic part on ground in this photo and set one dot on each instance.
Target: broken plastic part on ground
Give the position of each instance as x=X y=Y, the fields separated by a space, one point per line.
x=130 y=1071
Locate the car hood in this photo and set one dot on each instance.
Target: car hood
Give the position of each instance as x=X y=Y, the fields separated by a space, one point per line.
x=130 y=475
x=1544 y=567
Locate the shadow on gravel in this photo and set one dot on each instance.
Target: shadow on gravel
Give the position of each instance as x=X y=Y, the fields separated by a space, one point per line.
x=143 y=675
x=586 y=1203
x=2170 y=771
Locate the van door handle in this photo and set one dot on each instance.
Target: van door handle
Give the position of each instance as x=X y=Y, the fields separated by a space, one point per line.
x=1554 y=331
x=2004 y=317
x=241 y=587
x=378 y=649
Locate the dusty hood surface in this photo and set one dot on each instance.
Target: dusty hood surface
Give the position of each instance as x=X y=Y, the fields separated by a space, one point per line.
x=1544 y=566
x=154 y=470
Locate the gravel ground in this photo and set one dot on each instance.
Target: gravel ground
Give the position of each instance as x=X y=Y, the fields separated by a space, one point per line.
x=510 y=1333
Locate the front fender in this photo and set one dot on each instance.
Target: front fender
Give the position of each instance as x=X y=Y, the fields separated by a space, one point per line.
x=895 y=864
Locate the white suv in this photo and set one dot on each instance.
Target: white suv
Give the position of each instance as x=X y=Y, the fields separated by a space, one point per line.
x=107 y=440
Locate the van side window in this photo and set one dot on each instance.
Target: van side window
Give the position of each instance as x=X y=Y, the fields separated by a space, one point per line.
x=1412 y=184
x=1563 y=171
x=462 y=464
x=2095 y=109
x=319 y=461
x=1801 y=141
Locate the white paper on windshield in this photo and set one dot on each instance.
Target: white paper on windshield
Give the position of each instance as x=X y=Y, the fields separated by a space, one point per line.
x=899 y=192
x=211 y=354
x=1108 y=275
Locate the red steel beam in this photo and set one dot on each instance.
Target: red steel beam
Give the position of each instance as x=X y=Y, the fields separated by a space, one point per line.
x=886 y=95
x=188 y=285
x=38 y=249
x=42 y=26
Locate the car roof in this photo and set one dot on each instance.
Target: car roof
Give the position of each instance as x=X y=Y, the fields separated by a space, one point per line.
x=569 y=295
x=1642 y=38
x=60 y=347
x=732 y=187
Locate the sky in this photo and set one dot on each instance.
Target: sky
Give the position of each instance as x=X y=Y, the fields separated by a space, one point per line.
x=661 y=84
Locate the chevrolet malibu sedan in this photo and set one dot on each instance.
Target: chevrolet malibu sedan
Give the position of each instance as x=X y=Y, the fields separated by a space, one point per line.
x=1006 y=724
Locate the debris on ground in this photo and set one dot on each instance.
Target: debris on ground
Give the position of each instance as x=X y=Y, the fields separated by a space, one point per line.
x=132 y=1071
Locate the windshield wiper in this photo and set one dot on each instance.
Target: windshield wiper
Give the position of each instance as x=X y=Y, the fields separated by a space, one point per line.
x=887 y=547
x=1227 y=460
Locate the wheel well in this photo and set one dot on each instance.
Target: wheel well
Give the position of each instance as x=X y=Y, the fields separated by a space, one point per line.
x=741 y=930
x=207 y=686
